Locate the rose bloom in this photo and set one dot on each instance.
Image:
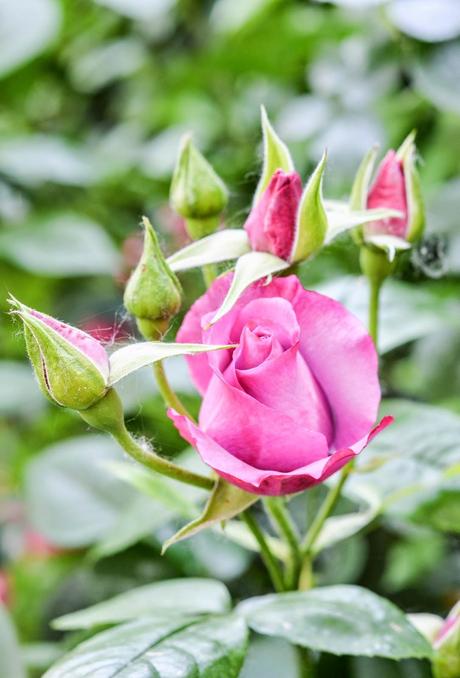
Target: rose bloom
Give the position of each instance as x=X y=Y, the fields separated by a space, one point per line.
x=294 y=401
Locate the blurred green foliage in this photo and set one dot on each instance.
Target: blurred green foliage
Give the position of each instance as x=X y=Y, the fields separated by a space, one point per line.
x=95 y=97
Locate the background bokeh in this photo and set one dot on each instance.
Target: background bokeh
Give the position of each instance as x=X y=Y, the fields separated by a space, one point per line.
x=95 y=95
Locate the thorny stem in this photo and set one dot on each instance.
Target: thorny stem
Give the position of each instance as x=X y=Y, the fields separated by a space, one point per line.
x=268 y=558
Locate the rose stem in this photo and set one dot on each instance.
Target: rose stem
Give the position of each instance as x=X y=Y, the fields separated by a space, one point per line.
x=269 y=559
x=281 y=518
x=209 y=272
x=170 y=398
x=375 y=286
x=107 y=415
x=304 y=663
x=153 y=461
x=324 y=512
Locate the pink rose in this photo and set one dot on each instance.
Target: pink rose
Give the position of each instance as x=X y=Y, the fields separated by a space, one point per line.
x=297 y=398
x=389 y=190
x=272 y=221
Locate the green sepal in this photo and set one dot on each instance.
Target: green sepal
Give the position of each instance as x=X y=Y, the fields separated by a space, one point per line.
x=312 y=224
x=153 y=294
x=415 y=207
x=360 y=188
x=225 y=502
x=276 y=156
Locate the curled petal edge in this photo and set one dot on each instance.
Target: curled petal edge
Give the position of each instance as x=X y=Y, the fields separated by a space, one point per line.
x=266 y=482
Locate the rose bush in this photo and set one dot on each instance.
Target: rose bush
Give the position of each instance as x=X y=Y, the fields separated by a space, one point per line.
x=294 y=401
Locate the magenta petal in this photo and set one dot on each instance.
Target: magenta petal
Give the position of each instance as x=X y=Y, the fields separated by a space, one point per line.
x=342 y=357
x=257 y=434
x=266 y=482
x=389 y=190
x=191 y=330
x=84 y=342
x=271 y=223
x=285 y=384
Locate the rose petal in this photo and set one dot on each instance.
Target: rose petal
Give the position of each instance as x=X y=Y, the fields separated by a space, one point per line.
x=342 y=357
x=257 y=434
x=266 y=482
x=285 y=384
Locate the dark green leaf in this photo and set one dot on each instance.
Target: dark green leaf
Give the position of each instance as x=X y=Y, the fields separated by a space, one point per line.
x=179 y=596
x=339 y=620
x=161 y=648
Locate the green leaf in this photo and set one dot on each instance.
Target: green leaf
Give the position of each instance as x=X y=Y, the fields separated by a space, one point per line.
x=22 y=40
x=11 y=664
x=311 y=222
x=140 y=520
x=19 y=396
x=340 y=620
x=37 y=159
x=225 y=502
x=411 y=560
x=408 y=311
x=134 y=356
x=71 y=498
x=60 y=245
x=341 y=527
x=436 y=78
x=440 y=507
x=249 y=268
x=158 y=487
x=220 y=246
x=160 y=648
x=276 y=156
x=408 y=464
x=427 y=20
x=190 y=596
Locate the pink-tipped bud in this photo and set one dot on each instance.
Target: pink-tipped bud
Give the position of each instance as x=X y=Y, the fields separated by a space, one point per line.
x=72 y=367
x=272 y=221
x=389 y=190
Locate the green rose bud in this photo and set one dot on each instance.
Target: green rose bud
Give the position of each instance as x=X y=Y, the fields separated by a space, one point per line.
x=72 y=368
x=153 y=293
x=197 y=192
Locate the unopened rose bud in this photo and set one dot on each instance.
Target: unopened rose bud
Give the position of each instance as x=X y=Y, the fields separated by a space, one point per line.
x=396 y=186
x=72 y=368
x=446 y=662
x=271 y=223
x=197 y=192
x=287 y=222
x=153 y=293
